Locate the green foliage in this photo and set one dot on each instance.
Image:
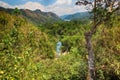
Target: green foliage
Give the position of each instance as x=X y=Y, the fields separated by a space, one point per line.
x=20 y=43
x=27 y=52
x=107 y=53
x=70 y=33
x=16 y=12
x=65 y=68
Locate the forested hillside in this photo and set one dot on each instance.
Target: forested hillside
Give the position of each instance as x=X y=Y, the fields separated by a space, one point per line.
x=36 y=17
x=76 y=16
x=28 y=52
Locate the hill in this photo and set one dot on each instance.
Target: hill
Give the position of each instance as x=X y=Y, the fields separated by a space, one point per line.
x=76 y=16
x=36 y=16
x=17 y=34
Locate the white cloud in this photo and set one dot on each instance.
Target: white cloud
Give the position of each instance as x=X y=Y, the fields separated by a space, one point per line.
x=28 y=5
x=31 y=6
x=63 y=2
x=67 y=10
x=62 y=7
x=5 y=5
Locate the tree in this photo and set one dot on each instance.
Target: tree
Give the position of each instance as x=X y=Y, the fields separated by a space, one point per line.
x=102 y=11
x=16 y=12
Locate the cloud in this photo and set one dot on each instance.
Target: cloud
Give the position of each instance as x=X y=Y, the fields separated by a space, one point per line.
x=31 y=6
x=62 y=7
x=67 y=10
x=5 y=5
x=63 y=2
x=28 y=5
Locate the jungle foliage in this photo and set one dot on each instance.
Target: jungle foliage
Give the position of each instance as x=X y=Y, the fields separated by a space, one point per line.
x=27 y=52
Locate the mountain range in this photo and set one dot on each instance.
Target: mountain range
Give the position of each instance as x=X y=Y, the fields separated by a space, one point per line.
x=39 y=17
x=81 y=15
x=36 y=16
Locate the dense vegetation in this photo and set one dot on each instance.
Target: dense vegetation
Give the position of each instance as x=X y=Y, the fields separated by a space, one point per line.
x=27 y=52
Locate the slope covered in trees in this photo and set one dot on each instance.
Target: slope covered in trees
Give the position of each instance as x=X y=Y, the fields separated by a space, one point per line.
x=28 y=52
x=36 y=17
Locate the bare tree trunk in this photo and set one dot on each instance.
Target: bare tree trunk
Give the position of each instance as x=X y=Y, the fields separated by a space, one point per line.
x=91 y=63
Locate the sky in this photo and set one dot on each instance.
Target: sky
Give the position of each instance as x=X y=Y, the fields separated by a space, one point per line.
x=60 y=7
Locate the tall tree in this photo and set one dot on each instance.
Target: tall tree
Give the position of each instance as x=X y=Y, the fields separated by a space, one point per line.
x=102 y=11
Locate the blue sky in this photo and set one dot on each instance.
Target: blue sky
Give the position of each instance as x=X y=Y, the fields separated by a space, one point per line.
x=60 y=7
x=18 y=2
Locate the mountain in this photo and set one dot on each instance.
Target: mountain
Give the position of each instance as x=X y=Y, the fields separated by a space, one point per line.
x=36 y=16
x=82 y=15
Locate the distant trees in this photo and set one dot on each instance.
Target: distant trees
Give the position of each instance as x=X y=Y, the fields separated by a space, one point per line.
x=102 y=10
x=16 y=12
